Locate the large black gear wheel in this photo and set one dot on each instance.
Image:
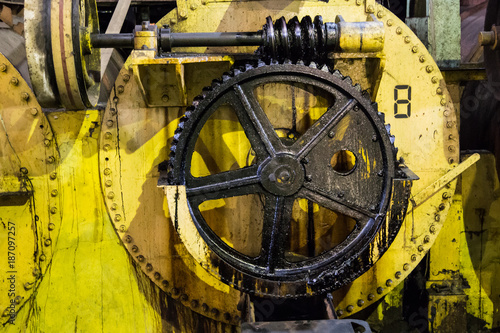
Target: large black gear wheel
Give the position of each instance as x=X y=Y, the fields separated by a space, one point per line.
x=283 y=171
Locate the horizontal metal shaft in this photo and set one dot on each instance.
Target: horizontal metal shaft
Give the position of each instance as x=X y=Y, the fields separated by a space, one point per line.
x=112 y=40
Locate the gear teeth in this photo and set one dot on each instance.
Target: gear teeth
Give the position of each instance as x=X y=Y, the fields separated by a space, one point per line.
x=260 y=63
x=324 y=68
x=357 y=87
x=375 y=106
x=274 y=62
x=235 y=72
x=300 y=62
x=348 y=80
x=392 y=138
x=287 y=62
x=381 y=116
x=388 y=129
x=313 y=65
x=336 y=73
x=248 y=67
x=216 y=83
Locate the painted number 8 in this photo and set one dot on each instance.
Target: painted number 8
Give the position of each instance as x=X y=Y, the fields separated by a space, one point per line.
x=402 y=99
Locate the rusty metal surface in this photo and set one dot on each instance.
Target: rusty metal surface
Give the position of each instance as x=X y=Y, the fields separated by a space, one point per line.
x=317 y=326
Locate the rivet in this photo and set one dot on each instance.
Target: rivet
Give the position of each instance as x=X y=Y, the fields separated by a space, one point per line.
x=429 y=69
x=126 y=77
x=358 y=2
x=380 y=14
x=106 y=147
x=421 y=58
x=43 y=257
x=157 y=276
x=140 y=258
x=53 y=193
x=164 y=283
x=128 y=239
x=361 y=302
x=118 y=217
x=434 y=79
x=183 y=14
x=380 y=173
x=204 y=306
x=107 y=171
x=414 y=49
x=3 y=67
x=370 y=9
x=407 y=39
x=446 y=195
x=439 y=91
x=443 y=101
x=135 y=248
x=442 y=207
x=48 y=241
x=451 y=160
x=120 y=89
x=446 y=113
x=51 y=159
x=108 y=135
x=14 y=81
x=451 y=137
x=113 y=111
x=304 y=160
x=173 y=21
x=420 y=248
x=214 y=312
x=437 y=217
x=6 y=313
x=109 y=123
x=116 y=100
x=35 y=272
x=149 y=267
x=46 y=142
x=399 y=31
x=432 y=229
x=397 y=275
x=51 y=226
x=331 y=134
x=406 y=267
x=18 y=299
x=413 y=257
x=53 y=210
x=451 y=149
x=175 y=291
x=308 y=178
x=390 y=23
x=340 y=194
x=114 y=206
x=108 y=183
x=28 y=286
x=25 y=96
x=111 y=195
x=427 y=239
x=204 y=2
x=24 y=170
x=388 y=283
x=194 y=303
x=350 y=308
x=53 y=175
x=371 y=297
x=340 y=313
x=380 y=290
x=184 y=297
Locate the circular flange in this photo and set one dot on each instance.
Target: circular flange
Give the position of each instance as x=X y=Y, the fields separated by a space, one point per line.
x=64 y=69
x=282 y=174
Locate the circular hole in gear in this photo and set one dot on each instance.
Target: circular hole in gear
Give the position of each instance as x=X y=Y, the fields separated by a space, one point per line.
x=343 y=161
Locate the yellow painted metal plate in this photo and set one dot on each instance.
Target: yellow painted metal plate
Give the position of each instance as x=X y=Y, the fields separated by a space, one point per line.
x=29 y=200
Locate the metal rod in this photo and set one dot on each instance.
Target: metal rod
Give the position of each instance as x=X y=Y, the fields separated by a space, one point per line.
x=112 y=40
x=215 y=39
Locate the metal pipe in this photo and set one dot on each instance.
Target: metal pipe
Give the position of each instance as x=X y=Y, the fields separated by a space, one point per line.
x=112 y=40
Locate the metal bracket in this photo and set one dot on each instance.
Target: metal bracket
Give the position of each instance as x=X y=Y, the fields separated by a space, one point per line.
x=430 y=190
x=370 y=6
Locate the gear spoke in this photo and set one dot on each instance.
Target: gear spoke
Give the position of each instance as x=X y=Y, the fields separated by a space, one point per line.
x=319 y=129
x=277 y=216
x=328 y=201
x=225 y=184
x=259 y=119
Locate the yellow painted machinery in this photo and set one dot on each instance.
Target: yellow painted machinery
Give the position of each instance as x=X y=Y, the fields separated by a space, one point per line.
x=254 y=162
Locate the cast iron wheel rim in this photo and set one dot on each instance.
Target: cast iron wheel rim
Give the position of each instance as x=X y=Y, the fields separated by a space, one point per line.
x=327 y=271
